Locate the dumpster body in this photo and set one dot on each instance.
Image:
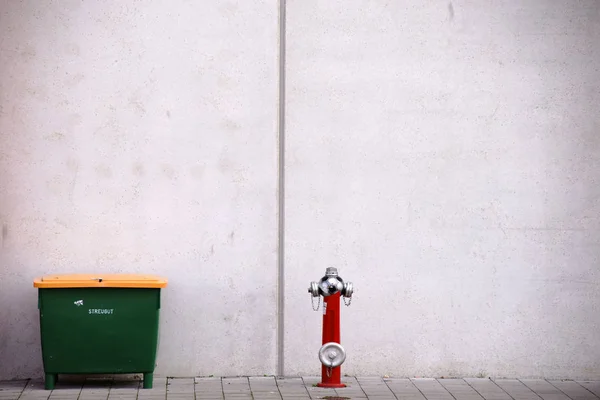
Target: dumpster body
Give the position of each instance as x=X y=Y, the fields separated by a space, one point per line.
x=99 y=324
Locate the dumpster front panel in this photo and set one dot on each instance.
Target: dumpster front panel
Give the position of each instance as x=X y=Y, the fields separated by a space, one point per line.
x=99 y=330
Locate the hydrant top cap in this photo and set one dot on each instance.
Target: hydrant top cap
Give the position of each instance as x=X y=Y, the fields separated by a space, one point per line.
x=331 y=271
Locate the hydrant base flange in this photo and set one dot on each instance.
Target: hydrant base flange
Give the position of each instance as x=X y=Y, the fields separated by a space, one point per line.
x=331 y=385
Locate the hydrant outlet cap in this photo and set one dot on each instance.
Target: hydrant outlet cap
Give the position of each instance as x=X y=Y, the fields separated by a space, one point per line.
x=332 y=355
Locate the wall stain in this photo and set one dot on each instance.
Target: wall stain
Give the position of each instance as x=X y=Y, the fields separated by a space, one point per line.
x=57 y=185
x=138 y=169
x=4 y=233
x=197 y=171
x=103 y=170
x=60 y=222
x=225 y=164
x=137 y=105
x=231 y=237
x=168 y=113
x=72 y=49
x=451 y=11
x=223 y=82
x=228 y=8
x=72 y=164
x=55 y=137
x=231 y=125
x=74 y=80
x=28 y=53
x=74 y=120
x=168 y=171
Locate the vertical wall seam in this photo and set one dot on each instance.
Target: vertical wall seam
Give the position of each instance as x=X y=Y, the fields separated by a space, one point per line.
x=281 y=194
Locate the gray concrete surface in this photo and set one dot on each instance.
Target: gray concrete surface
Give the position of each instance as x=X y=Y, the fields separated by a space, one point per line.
x=141 y=138
x=296 y=388
x=444 y=156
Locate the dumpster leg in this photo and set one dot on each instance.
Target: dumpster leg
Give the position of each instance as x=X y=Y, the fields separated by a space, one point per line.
x=50 y=381
x=148 y=379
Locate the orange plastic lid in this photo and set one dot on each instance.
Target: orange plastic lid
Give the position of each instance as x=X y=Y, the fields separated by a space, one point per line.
x=100 y=280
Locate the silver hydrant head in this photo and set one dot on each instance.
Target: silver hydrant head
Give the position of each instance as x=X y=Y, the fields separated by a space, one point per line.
x=330 y=284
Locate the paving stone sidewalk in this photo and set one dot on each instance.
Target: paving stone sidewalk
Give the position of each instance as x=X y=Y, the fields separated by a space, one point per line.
x=295 y=388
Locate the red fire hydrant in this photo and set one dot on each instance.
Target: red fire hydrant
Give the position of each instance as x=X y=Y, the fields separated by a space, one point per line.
x=332 y=355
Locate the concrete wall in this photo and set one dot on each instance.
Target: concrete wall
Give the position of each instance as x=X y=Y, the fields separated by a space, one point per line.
x=444 y=156
x=142 y=137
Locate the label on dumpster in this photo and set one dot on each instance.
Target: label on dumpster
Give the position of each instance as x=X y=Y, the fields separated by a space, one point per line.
x=103 y=311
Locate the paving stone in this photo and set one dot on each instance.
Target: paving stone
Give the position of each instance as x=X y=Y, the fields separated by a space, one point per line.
x=35 y=391
x=180 y=381
x=487 y=389
x=431 y=389
x=544 y=389
x=207 y=379
x=404 y=389
x=152 y=392
x=459 y=389
x=383 y=398
x=59 y=396
x=34 y=396
x=573 y=390
x=18 y=385
x=10 y=396
x=124 y=384
x=516 y=389
x=592 y=386
x=123 y=393
x=95 y=389
x=94 y=392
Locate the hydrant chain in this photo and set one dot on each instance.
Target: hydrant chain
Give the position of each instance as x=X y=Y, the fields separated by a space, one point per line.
x=312 y=301
x=347 y=303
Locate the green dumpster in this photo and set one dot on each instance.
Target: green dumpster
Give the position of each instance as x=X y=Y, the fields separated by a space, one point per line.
x=99 y=324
